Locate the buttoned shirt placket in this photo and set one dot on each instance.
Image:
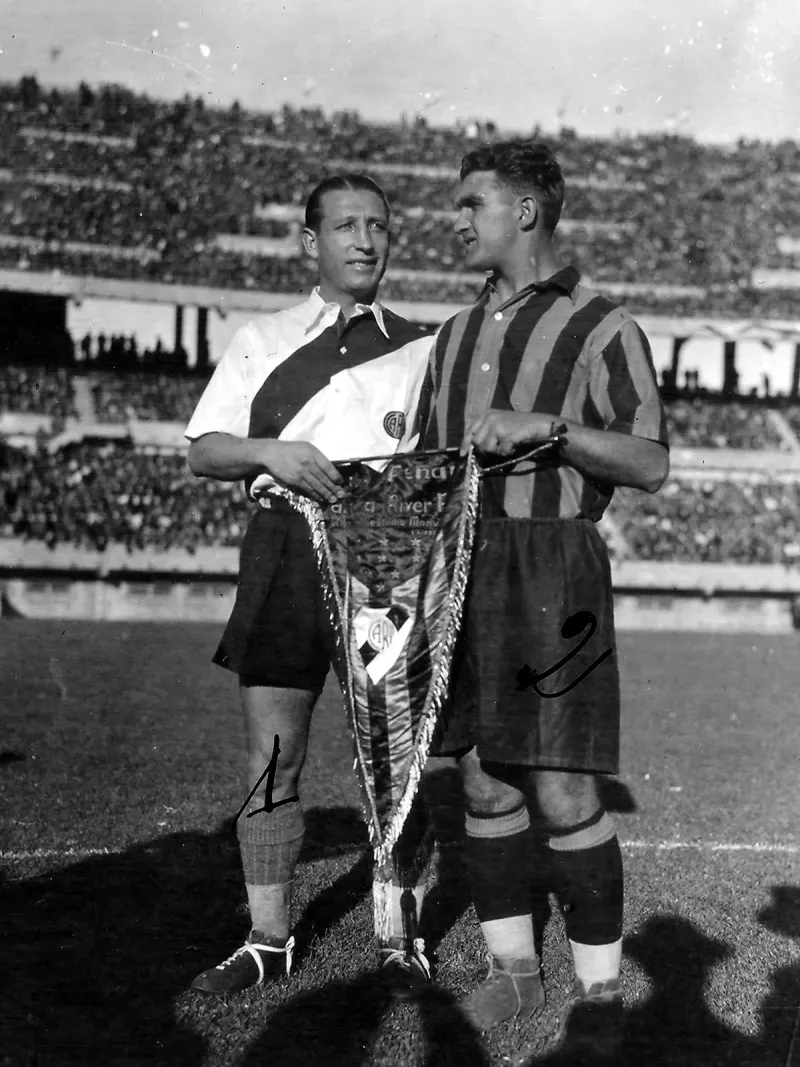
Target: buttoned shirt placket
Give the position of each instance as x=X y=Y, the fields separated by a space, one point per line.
x=332 y=312
x=486 y=362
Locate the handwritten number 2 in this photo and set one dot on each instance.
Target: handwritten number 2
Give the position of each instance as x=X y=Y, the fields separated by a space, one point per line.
x=269 y=773
x=574 y=625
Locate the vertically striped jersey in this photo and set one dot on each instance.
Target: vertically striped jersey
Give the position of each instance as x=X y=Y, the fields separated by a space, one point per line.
x=557 y=348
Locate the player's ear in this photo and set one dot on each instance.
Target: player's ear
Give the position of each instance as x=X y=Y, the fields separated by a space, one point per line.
x=309 y=239
x=528 y=212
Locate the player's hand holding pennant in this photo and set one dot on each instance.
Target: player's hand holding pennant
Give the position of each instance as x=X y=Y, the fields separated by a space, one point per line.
x=501 y=432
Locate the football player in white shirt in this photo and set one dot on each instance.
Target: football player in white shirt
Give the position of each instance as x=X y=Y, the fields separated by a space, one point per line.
x=335 y=377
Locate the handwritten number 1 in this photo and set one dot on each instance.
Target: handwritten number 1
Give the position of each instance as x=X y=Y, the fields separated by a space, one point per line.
x=269 y=804
x=573 y=625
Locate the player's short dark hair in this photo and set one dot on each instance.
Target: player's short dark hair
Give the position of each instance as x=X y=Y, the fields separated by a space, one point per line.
x=523 y=166
x=336 y=183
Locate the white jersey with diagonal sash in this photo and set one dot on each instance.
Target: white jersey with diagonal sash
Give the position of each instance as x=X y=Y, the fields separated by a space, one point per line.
x=304 y=374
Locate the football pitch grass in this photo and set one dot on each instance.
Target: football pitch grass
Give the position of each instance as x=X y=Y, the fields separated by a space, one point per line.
x=121 y=770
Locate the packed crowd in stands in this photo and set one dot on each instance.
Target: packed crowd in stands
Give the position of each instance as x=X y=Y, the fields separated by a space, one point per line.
x=712 y=521
x=125 y=382
x=118 y=398
x=128 y=384
x=697 y=423
x=152 y=183
x=792 y=415
x=90 y=495
x=36 y=390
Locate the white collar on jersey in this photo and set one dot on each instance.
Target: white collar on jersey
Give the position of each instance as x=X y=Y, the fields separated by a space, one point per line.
x=316 y=303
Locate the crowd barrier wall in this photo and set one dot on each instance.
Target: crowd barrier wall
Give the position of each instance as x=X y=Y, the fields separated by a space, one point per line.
x=69 y=583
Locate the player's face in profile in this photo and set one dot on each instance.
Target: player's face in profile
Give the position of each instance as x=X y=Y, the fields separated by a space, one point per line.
x=352 y=244
x=486 y=222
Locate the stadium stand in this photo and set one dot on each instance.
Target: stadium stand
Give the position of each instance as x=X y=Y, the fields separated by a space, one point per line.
x=698 y=423
x=109 y=182
x=713 y=521
x=113 y=184
x=30 y=389
x=118 y=398
x=792 y=415
x=91 y=495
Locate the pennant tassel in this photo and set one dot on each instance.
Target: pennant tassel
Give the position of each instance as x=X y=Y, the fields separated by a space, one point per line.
x=382 y=899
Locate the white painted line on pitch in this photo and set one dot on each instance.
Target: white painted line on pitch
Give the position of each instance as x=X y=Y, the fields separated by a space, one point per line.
x=712 y=846
x=53 y=853
x=635 y=845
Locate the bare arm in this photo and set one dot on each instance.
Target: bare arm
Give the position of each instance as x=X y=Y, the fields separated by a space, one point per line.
x=226 y=457
x=619 y=458
x=297 y=465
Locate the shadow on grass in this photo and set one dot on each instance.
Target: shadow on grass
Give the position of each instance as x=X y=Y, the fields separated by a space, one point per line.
x=96 y=953
x=8 y=756
x=333 y=832
x=338 y=1024
x=674 y=1027
x=782 y=1004
x=449 y=896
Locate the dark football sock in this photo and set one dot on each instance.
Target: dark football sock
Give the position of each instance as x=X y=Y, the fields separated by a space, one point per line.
x=588 y=881
x=498 y=861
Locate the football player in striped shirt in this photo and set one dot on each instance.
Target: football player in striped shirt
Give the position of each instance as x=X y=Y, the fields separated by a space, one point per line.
x=332 y=378
x=536 y=694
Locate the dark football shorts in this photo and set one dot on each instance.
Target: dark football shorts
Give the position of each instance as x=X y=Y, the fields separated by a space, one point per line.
x=523 y=692
x=279 y=633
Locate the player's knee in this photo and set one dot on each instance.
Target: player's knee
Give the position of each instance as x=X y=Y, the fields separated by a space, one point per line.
x=277 y=724
x=566 y=798
x=284 y=762
x=485 y=794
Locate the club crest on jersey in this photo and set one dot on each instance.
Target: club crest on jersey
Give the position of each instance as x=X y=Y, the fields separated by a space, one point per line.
x=395 y=423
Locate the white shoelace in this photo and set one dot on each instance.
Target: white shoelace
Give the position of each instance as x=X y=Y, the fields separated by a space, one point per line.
x=254 y=950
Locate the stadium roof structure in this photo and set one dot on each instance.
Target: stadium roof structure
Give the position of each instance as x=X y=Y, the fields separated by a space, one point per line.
x=84 y=287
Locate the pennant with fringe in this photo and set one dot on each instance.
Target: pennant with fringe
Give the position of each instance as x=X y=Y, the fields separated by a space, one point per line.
x=394 y=556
